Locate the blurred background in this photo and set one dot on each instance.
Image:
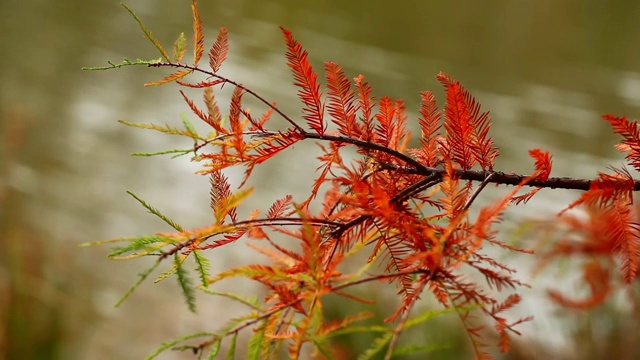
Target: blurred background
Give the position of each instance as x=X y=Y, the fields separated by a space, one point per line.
x=545 y=69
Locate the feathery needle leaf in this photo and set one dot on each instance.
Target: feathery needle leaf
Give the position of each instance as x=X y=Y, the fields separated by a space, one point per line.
x=156 y=212
x=148 y=33
x=143 y=276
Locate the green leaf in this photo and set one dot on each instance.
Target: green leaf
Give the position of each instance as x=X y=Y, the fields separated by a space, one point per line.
x=141 y=243
x=178 y=152
x=143 y=275
x=179 y=48
x=185 y=283
x=359 y=329
x=189 y=126
x=379 y=344
x=102 y=242
x=324 y=349
x=166 y=274
x=148 y=33
x=170 y=344
x=125 y=62
x=202 y=267
x=214 y=352
x=427 y=315
x=416 y=349
x=256 y=346
x=163 y=129
x=191 y=348
x=232 y=347
x=156 y=212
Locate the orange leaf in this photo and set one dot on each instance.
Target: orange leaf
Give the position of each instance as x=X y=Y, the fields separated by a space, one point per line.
x=307 y=80
x=219 y=50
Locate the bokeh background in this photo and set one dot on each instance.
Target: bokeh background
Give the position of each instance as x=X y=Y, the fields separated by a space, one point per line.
x=545 y=69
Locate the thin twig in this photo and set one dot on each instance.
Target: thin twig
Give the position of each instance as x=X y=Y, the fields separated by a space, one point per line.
x=477 y=192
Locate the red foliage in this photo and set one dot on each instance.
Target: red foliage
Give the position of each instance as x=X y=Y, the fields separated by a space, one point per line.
x=410 y=206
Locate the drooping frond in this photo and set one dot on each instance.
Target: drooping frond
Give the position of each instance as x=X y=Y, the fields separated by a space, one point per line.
x=219 y=50
x=608 y=232
x=202 y=267
x=259 y=345
x=307 y=80
x=185 y=282
x=198 y=36
x=598 y=280
x=341 y=100
x=624 y=235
